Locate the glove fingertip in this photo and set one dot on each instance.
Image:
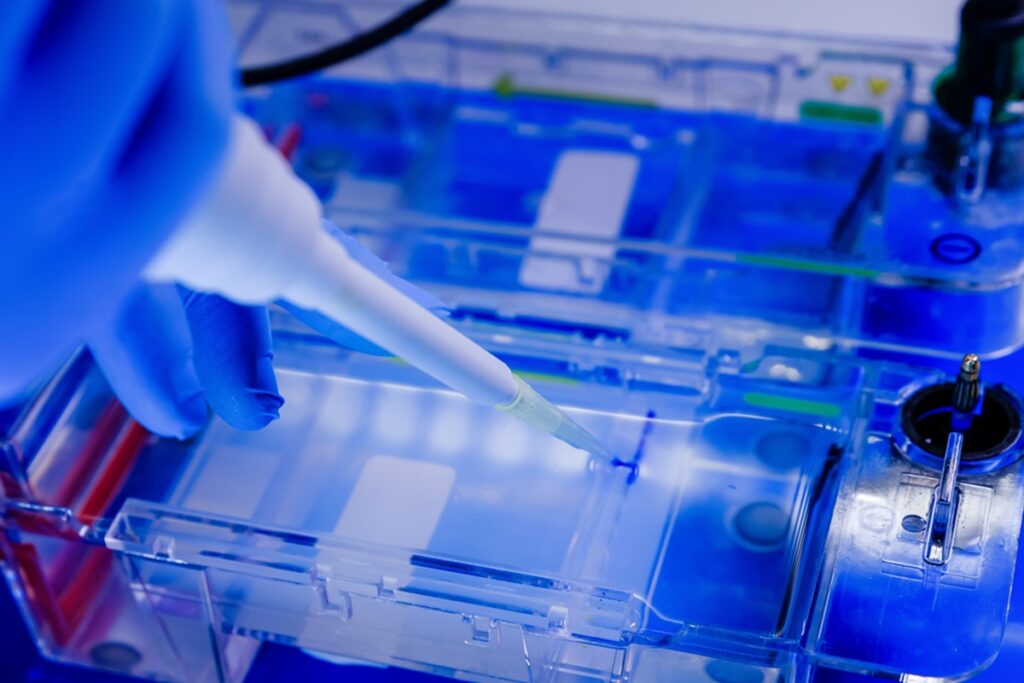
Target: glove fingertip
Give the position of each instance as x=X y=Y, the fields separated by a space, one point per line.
x=252 y=410
x=234 y=360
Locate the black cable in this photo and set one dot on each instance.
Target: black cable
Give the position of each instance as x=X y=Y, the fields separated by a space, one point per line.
x=844 y=233
x=335 y=54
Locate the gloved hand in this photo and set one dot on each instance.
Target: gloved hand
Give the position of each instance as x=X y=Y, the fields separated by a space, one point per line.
x=170 y=351
x=116 y=115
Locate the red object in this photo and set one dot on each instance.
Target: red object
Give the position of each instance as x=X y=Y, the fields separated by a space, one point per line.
x=79 y=571
x=103 y=432
x=84 y=586
x=288 y=140
x=37 y=591
x=115 y=473
x=317 y=100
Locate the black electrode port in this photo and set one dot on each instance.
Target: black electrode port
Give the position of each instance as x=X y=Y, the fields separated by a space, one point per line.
x=989 y=66
x=927 y=419
x=989 y=61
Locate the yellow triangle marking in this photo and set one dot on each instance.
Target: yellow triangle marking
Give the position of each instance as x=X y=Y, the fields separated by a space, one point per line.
x=878 y=86
x=840 y=82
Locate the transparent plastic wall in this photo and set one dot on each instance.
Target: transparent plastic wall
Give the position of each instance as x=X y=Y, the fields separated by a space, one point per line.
x=689 y=172
x=754 y=525
x=678 y=236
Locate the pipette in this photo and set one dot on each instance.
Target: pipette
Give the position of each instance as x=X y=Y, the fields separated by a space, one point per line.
x=257 y=236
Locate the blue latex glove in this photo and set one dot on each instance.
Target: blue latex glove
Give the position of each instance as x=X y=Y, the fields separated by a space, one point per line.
x=171 y=350
x=116 y=114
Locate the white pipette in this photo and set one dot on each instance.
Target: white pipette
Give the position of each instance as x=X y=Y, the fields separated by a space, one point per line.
x=257 y=236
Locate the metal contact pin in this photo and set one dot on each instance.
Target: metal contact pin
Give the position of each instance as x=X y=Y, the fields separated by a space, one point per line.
x=967 y=389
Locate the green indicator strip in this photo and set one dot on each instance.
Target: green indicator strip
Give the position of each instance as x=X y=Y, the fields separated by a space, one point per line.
x=506 y=87
x=833 y=111
x=545 y=377
x=806 y=266
x=791 y=405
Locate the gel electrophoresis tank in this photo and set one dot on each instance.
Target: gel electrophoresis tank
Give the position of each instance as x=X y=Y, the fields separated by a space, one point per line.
x=725 y=254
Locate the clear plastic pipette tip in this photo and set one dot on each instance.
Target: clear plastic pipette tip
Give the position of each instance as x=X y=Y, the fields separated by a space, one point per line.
x=538 y=412
x=572 y=433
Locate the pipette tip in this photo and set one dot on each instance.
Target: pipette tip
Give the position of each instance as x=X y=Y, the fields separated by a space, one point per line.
x=572 y=433
x=538 y=412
